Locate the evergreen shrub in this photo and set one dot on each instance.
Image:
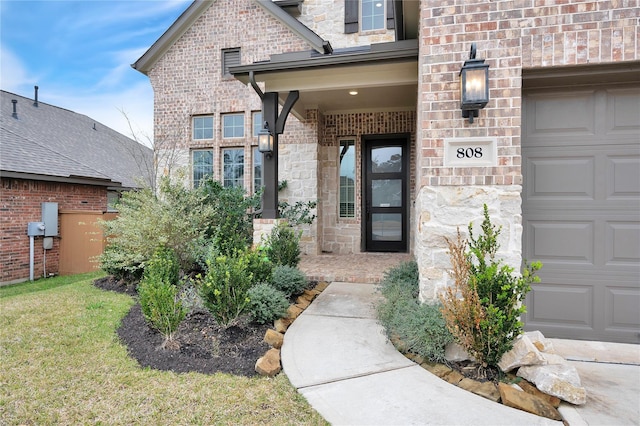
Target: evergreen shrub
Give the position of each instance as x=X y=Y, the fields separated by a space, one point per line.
x=266 y=304
x=289 y=280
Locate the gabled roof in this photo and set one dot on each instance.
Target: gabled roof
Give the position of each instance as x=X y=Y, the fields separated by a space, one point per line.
x=147 y=61
x=45 y=142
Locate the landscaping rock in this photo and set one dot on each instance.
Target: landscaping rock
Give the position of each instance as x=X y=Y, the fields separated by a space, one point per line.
x=531 y=389
x=539 y=341
x=302 y=303
x=453 y=377
x=454 y=352
x=485 y=389
x=321 y=286
x=269 y=364
x=310 y=294
x=293 y=312
x=515 y=397
x=554 y=359
x=559 y=380
x=524 y=352
x=439 y=370
x=273 y=338
x=281 y=325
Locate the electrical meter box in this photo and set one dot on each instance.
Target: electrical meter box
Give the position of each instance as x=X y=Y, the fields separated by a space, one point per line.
x=35 y=229
x=50 y=219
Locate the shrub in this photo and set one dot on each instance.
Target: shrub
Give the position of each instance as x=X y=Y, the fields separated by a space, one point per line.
x=161 y=307
x=259 y=265
x=163 y=266
x=289 y=280
x=177 y=218
x=283 y=245
x=224 y=287
x=266 y=304
x=483 y=308
x=420 y=327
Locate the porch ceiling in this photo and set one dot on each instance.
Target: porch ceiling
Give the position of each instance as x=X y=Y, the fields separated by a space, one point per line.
x=385 y=79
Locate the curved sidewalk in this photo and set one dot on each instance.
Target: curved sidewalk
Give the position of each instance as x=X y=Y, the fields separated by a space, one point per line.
x=337 y=356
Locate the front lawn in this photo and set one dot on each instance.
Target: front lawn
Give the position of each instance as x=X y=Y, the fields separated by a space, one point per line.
x=62 y=363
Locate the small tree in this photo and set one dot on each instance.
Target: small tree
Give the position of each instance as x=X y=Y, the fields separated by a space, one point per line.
x=483 y=308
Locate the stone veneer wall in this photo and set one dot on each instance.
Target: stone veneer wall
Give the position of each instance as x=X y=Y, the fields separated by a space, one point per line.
x=343 y=235
x=511 y=36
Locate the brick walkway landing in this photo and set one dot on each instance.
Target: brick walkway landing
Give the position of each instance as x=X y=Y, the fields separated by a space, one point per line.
x=351 y=268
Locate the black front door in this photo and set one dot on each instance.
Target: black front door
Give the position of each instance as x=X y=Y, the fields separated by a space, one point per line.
x=385 y=203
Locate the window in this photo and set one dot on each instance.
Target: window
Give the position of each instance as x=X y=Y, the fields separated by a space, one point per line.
x=203 y=127
x=347 y=178
x=233 y=167
x=233 y=126
x=202 y=165
x=257 y=169
x=112 y=200
x=257 y=123
x=230 y=58
x=367 y=15
x=372 y=15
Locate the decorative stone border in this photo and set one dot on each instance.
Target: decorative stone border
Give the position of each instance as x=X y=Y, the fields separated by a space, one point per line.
x=269 y=364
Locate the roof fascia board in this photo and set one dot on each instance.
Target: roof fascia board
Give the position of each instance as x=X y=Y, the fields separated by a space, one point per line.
x=63 y=179
x=146 y=62
x=360 y=58
x=318 y=43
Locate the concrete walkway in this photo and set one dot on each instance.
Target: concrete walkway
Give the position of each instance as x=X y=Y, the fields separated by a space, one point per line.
x=337 y=356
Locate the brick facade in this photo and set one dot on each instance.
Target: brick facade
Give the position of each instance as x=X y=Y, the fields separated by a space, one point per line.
x=21 y=202
x=512 y=36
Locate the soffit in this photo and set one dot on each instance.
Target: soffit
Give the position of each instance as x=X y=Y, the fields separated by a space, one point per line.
x=385 y=79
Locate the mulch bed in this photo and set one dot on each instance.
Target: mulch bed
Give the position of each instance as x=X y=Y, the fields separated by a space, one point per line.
x=200 y=344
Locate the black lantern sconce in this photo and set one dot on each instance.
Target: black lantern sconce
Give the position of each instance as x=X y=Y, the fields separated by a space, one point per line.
x=265 y=140
x=474 y=85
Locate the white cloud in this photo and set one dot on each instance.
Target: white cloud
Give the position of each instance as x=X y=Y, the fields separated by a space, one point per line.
x=14 y=76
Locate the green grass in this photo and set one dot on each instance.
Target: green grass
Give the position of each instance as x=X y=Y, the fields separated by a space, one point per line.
x=62 y=363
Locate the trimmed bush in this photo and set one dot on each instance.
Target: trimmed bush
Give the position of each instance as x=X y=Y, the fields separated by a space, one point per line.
x=283 y=245
x=289 y=280
x=266 y=304
x=420 y=327
x=163 y=266
x=224 y=287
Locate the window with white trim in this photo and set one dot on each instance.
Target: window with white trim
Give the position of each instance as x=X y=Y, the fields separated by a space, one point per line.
x=257 y=123
x=233 y=126
x=233 y=167
x=372 y=15
x=347 y=190
x=203 y=127
x=201 y=165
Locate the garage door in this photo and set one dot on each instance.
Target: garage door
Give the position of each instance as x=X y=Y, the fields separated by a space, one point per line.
x=581 y=211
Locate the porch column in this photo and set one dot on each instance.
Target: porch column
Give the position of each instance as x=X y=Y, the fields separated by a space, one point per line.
x=270 y=161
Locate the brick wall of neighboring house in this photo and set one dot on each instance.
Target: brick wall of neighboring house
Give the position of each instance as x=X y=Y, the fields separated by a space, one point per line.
x=21 y=202
x=511 y=36
x=343 y=235
x=326 y=18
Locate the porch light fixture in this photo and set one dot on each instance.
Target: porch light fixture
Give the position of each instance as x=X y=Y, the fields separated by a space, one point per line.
x=265 y=140
x=474 y=85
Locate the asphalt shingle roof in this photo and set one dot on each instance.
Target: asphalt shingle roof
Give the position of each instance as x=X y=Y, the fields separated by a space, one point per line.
x=57 y=143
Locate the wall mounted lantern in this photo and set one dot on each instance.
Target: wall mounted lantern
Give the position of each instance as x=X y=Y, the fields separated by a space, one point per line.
x=474 y=85
x=265 y=140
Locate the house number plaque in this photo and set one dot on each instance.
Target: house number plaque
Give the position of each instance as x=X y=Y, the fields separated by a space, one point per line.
x=470 y=152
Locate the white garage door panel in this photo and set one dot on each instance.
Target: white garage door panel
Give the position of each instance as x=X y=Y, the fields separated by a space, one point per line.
x=581 y=211
x=623 y=244
x=624 y=177
x=622 y=311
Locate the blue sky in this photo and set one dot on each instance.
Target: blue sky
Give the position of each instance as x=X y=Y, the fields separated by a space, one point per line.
x=80 y=53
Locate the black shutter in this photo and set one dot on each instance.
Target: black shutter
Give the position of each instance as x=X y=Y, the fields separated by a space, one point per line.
x=350 y=16
x=391 y=23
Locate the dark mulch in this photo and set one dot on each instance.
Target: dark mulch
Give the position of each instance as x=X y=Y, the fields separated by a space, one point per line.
x=200 y=344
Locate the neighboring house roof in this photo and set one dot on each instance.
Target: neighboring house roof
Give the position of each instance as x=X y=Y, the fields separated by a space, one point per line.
x=45 y=142
x=146 y=62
